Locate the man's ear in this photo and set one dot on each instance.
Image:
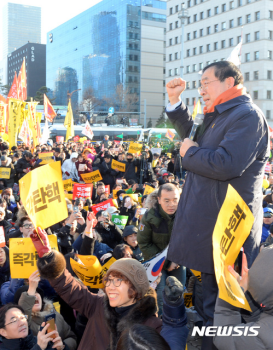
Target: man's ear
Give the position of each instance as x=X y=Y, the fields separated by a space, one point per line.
x=3 y=332
x=21 y=229
x=230 y=82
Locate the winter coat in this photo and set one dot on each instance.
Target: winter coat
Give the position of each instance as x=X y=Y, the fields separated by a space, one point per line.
x=154 y=232
x=233 y=149
x=83 y=246
x=79 y=166
x=69 y=168
x=130 y=213
x=131 y=170
x=108 y=174
x=36 y=319
x=104 y=327
x=137 y=252
x=21 y=165
x=265 y=232
x=10 y=181
x=111 y=236
x=260 y=287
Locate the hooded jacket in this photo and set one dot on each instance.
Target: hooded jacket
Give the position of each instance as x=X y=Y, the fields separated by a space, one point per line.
x=260 y=287
x=69 y=168
x=36 y=319
x=104 y=326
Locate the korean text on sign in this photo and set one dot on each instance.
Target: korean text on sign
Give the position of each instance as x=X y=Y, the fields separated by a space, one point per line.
x=232 y=228
x=43 y=196
x=118 y=165
x=82 y=191
x=95 y=176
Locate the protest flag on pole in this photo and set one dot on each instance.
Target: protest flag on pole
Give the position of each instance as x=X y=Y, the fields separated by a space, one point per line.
x=49 y=111
x=69 y=122
x=22 y=82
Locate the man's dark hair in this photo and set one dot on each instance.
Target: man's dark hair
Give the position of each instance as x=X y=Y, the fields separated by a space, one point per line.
x=166 y=187
x=100 y=183
x=226 y=69
x=131 y=182
x=4 y=309
x=22 y=220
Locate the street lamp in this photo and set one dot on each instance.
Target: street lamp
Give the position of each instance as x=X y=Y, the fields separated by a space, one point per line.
x=183 y=14
x=69 y=94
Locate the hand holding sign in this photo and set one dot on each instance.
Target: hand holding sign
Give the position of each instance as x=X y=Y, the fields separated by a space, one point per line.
x=242 y=280
x=41 y=243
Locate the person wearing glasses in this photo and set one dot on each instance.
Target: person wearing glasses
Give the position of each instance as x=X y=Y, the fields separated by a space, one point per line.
x=230 y=148
x=15 y=333
x=128 y=297
x=25 y=229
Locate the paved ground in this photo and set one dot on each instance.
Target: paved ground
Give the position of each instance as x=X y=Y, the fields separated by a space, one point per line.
x=194 y=344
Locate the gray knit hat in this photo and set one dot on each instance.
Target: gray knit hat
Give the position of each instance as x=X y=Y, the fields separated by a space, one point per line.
x=134 y=271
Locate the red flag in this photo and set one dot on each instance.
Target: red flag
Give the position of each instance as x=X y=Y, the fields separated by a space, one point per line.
x=13 y=92
x=22 y=82
x=76 y=138
x=48 y=109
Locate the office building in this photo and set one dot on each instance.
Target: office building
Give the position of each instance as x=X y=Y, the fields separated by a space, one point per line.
x=35 y=57
x=111 y=48
x=212 y=30
x=20 y=24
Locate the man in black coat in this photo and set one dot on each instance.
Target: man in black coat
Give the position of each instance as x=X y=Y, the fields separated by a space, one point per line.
x=232 y=148
x=108 y=174
x=23 y=166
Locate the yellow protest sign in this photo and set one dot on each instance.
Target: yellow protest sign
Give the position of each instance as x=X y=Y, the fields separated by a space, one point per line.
x=23 y=256
x=69 y=196
x=47 y=157
x=95 y=176
x=232 y=228
x=115 y=196
x=118 y=165
x=67 y=185
x=115 y=203
x=43 y=196
x=91 y=275
x=134 y=196
x=197 y=274
x=148 y=189
x=188 y=299
x=135 y=148
x=4 y=173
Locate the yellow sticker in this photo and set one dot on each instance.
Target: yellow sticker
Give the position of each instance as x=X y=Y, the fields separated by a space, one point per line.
x=118 y=165
x=23 y=256
x=95 y=176
x=232 y=228
x=43 y=196
x=4 y=173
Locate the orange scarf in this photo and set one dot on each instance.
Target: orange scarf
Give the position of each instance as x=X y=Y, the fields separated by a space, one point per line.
x=235 y=91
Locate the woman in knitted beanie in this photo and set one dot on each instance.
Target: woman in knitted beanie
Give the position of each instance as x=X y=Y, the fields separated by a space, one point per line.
x=128 y=299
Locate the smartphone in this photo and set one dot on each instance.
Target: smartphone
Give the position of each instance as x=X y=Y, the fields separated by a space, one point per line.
x=75 y=209
x=142 y=211
x=119 y=182
x=50 y=319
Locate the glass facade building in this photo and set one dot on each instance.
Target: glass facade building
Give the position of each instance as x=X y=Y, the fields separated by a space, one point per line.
x=99 y=50
x=20 y=24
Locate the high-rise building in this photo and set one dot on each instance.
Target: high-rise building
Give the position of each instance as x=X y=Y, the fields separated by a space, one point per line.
x=35 y=58
x=114 y=51
x=212 y=30
x=20 y=24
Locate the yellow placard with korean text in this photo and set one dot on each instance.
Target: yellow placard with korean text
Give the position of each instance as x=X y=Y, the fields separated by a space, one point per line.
x=23 y=256
x=43 y=195
x=197 y=274
x=95 y=176
x=148 y=189
x=4 y=173
x=47 y=157
x=115 y=196
x=118 y=165
x=188 y=299
x=135 y=148
x=91 y=275
x=232 y=228
x=134 y=196
x=67 y=185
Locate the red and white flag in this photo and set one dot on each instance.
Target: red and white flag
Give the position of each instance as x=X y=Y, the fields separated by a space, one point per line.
x=50 y=114
x=22 y=82
x=87 y=131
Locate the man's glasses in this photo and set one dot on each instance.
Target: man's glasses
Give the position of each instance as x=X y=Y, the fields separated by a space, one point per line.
x=15 y=319
x=205 y=86
x=28 y=226
x=268 y=215
x=116 y=282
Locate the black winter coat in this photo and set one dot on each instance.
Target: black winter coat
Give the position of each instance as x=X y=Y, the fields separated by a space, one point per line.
x=108 y=174
x=111 y=237
x=21 y=165
x=233 y=149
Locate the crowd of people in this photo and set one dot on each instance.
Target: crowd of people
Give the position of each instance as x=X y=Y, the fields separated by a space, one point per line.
x=130 y=312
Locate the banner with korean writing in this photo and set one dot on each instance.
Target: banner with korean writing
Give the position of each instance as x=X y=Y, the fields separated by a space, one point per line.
x=95 y=176
x=102 y=206
x=120 y=220
x=107 y=190
x=3 y=117
x=59 y=139
x=154 y=266
x=91 y=274
x=23 y=256
x=47 y=157
x=118 y=165
x=4 y=173
x=148 y=189
x=14 y=120
x=134 y=196
x=135 y=148
x=67 y=185
x=232 y=228
x=42 y=194
x=82 y=191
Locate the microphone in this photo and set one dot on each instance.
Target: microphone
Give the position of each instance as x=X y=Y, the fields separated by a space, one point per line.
x=198 y=120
